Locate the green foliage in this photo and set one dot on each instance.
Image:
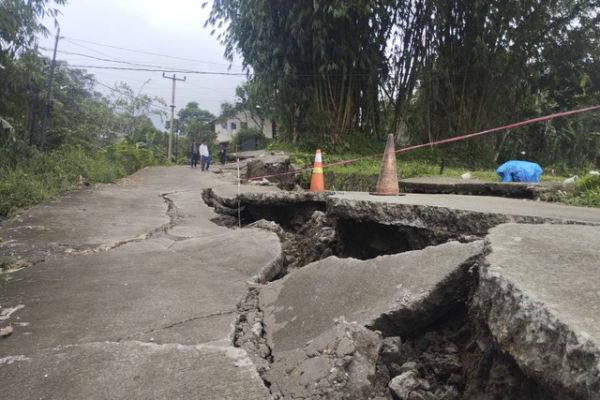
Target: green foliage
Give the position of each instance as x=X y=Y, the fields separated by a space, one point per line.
x=19 y=23
x=44 y=175
x=587 y=192
x=245 y=134
x=426 y=70
x=317 y=63
x=191 y=113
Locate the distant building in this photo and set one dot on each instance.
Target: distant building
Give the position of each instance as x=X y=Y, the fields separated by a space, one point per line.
x=226 y=128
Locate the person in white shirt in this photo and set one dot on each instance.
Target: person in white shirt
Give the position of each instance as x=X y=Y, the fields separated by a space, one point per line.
x=205 y=156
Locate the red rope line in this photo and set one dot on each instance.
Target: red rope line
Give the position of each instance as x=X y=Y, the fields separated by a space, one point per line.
x=453 y=139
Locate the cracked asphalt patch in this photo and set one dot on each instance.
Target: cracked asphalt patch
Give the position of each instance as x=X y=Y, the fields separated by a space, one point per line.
x=135 y=297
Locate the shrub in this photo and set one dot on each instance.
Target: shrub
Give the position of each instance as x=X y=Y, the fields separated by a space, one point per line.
x=245 y=134
x=43 y=175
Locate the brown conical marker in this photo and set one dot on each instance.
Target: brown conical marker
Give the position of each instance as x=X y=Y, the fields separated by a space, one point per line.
x=387 y=184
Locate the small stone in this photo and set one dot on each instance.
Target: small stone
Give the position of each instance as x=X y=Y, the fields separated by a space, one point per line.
x=408 y=366
x=263 y=350
x=451 y=348
x=6 y=331
x=424 y=383
x=404 y=384
x=257 y=329
x=345 y=347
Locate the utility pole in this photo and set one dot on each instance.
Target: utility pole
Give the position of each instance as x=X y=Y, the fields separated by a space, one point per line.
x=48 y=93
x=173 y=78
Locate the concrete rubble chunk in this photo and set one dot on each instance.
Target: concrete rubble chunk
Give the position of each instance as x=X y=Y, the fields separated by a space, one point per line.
x=404 y=384
x=338 y=364
x=274 y=164
x=539 y=295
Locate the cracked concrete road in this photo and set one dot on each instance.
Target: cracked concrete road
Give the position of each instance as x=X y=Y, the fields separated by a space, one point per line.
x=128 y=292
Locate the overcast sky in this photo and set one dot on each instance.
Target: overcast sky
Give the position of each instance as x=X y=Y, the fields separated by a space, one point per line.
x=171 y=30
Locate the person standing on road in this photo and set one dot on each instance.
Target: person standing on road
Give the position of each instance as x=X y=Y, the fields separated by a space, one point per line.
x=195 y=150
x=205 y=156
x=222 y=153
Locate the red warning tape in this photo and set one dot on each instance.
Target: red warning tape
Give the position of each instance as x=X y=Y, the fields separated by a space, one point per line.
x=453 y=139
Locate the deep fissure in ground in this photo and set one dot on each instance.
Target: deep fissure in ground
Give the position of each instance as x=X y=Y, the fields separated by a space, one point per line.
x=455 y=357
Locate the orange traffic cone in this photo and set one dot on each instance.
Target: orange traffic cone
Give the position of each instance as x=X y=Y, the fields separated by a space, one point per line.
x=387 y=184
x=317 y=183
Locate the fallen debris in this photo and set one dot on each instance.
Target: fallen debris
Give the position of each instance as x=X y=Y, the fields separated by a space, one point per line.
x=338 y=364
x=6 y=331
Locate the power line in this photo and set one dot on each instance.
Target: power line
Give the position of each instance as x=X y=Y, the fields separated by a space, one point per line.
x=191 y=71
x=69 y=39
x=182 y=70
x=185 y=71
x=161 y=67
x=95 y=51
x=165 y=108
x=158 y=68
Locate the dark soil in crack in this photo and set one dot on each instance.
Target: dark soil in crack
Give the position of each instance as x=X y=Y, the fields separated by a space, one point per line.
x=454 y=358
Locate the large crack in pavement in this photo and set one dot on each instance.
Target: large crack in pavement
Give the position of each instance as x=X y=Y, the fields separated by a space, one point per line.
x=432 y=344
x=358 y=299
x=19 y=262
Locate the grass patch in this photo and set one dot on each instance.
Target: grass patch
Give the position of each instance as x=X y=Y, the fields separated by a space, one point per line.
x=587 y=192
x=362 y=175
x=44 y=175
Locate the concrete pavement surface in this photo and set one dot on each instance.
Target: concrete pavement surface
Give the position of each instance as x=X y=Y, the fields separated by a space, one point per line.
x=129 y=291
x=131 y=294
x=540 y=296
x=481 y=204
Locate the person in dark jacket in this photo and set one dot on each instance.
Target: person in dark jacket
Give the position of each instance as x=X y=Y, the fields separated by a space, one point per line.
x=222 y=153
x=195 y=154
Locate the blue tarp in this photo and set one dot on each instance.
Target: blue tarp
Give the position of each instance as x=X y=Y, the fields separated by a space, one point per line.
x=519 y=171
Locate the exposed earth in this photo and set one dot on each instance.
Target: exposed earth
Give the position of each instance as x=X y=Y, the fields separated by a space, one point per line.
x=149 y=289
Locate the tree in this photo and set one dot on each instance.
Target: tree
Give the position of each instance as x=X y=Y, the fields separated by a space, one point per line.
x=321 y=62
x=133 y=109
x=191 y=112
x=484 y=63
x=20 y=23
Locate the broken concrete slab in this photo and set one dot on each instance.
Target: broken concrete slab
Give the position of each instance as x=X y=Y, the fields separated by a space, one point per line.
x=447 y=216
x=383 y=293
x=338 y=364
x=314 y=349
x=290 y=209
x=132 y=370
x=442 y=185
x=539 y=297
x=274 y=163
x=262 y=250
x=512 y=208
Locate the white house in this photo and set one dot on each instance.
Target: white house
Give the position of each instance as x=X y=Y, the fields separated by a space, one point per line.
x=226 y=128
